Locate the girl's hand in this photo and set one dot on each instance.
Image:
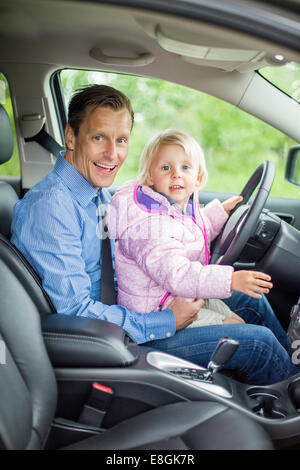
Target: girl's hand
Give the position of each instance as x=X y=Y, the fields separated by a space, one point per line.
x=230 y=203
x=251 y=282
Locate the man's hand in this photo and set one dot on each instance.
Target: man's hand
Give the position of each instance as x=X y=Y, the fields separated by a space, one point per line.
x=251 y=282
x=230 y=203
x=185 y=312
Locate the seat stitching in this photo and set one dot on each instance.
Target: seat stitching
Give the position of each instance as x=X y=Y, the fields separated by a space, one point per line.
x=83 y=339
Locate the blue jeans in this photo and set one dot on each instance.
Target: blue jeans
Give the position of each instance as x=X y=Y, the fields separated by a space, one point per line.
x=263 y=352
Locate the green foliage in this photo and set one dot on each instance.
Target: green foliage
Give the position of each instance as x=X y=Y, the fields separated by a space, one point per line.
x=12 y=167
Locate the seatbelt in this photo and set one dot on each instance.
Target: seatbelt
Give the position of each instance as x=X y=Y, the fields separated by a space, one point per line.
x=108 y=293
x=97 y=405
x=46 y=141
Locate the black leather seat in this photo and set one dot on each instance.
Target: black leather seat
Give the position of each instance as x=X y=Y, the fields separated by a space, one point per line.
x=26 y=275
x=8 y=252
x=29 y=395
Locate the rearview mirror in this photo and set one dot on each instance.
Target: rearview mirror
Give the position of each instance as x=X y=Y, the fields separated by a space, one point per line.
x=292 y=170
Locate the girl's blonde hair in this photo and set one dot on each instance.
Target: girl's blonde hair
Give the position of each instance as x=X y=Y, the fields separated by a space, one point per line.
x=172 y=137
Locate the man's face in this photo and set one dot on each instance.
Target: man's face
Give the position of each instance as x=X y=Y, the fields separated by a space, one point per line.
x=101 y=146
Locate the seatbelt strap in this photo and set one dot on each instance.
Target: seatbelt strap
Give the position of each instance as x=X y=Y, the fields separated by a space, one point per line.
x=46 y=141
x=108 y=293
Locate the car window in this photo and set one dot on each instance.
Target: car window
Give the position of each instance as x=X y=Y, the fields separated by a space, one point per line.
x=286 y=78
x=234 y=142
x=12 y=167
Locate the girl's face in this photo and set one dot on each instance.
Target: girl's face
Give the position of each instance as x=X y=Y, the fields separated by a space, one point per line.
x=174 y=174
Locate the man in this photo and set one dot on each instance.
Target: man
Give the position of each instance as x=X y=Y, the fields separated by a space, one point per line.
x=54 y=226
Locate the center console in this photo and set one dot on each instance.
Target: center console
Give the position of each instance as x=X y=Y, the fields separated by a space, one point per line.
x=276 y=407
x=142 y=378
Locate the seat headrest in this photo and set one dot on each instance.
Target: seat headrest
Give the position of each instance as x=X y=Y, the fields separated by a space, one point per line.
x=6 y=136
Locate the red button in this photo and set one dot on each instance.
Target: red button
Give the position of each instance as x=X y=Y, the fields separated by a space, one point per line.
x=102 y=388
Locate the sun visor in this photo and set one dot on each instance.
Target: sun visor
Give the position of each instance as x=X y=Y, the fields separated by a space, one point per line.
x=225 y=56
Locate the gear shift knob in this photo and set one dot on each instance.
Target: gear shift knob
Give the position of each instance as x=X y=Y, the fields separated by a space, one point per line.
x=225 y=349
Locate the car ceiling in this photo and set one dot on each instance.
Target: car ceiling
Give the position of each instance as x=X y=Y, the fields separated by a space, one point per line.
x=42 y=24
x=96 y=35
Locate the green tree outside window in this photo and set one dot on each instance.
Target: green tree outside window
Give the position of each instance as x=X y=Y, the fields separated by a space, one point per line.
x=12 y=167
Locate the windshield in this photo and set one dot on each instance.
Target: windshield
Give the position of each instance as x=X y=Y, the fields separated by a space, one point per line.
x=286 y=78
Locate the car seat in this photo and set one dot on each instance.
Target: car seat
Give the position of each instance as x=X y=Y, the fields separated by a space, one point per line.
x=8 y=252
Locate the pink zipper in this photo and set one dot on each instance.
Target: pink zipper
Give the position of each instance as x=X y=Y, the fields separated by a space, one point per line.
x=161 y=303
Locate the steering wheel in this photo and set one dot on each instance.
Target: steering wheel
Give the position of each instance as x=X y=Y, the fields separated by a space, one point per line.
x=242 y=221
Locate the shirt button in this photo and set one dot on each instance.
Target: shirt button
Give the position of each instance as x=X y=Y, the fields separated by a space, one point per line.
x=168 y=334
x=152 y=336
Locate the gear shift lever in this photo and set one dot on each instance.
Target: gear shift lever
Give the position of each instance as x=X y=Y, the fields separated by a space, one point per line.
x=225 y=349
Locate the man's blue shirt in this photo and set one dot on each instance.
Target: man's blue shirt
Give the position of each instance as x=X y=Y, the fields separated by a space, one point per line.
x=54 y=226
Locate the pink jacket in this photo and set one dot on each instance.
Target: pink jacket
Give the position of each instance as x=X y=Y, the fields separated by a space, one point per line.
x=162 y=253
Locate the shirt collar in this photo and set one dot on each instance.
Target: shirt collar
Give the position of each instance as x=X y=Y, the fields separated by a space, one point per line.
x=81 y=189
